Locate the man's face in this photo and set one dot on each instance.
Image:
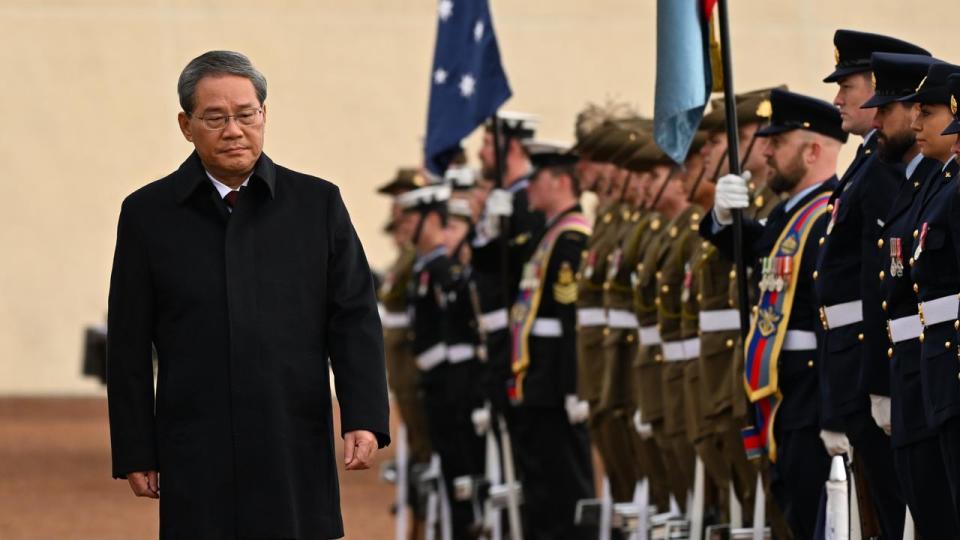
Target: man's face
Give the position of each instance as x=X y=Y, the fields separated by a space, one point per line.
x=455 y=232
x=894 y=136
x=659 y=175
x=638 y=190
x=488 y=164
x=756 y=163
x=538 y=190
x=408 y=222
x=479 y=194
x=930 y=122
x=785 y=155
x=588 y=172
x=692 y=168
x=854 y=90
x=234 y=149
x=402 y=232
x=715 y=151
x=618 y=177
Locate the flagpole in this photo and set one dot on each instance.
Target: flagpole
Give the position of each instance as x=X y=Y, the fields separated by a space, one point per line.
x=498 y=182
x=733 y=152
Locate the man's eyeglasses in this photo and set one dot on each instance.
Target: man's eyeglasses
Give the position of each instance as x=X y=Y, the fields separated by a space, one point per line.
x=216 y=121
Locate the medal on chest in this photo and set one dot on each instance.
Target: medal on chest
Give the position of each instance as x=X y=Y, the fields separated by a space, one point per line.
x=529 y=280
x=833 y=215
x=424 y=284
x=766 y=274
x=921 y=241
x=687 y=282
x=896 y=257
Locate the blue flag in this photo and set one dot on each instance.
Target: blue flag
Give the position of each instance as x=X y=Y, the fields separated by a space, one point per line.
x=467 y=83
x=683 y=75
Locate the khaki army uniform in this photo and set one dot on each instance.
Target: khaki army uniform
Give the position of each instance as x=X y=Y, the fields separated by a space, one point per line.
x=621 y=350
x=402 y=374
x=608 y=434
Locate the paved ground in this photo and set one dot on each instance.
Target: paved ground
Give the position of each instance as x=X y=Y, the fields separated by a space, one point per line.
x=55 y=479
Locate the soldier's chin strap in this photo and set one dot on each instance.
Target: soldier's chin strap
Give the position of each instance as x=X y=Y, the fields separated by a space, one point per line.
x=626 y=184
x=716 y=173
x=673 y=170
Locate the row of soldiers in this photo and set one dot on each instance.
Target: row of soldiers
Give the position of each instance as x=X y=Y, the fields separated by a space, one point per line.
x=624 y=330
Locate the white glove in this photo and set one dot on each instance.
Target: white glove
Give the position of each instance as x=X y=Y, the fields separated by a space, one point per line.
x=731 y=194
x=880 y=410
x=835 y=442
x=481 y=420
x=577 y=409
x=500 y=203
x=643 y=428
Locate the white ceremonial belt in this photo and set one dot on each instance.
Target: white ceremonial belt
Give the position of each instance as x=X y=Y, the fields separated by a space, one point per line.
x=840 y=315
x=942 y=309
x=432 y=357
x=905 y=328
x=591 y=317
x=546 y=328
x=799 y=340
x=494 y=320
x=649 y=335
x=691 y=348
x=674 y=351
x=460 y=352
x=621 y=318
x=718 y=320
x=392 y=319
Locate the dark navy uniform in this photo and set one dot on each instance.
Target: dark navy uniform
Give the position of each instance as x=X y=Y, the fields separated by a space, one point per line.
x=553 y=455
x=487 y=262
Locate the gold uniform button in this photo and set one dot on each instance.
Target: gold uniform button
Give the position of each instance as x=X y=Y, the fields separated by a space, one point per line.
x=890 y=352
x=956 y=325
x=658 y=358
x=880 y=243
x=730 y=343
x=665 y=289
x=659 y=274
x=860 y=337
x=606 y=331
x=884 y=305
x=910 y=262
x=733 y=274
x=630 y=338
x=606 y=285
x=882 y=275
x=916 y=233
x=656 y=301
x=704 y=245
x=947 y=344
x=829 y=208
x=921 y=337
x=809 y=363
x=820 y=242
x=916 y=288
x=815 y=274
x=699 y=297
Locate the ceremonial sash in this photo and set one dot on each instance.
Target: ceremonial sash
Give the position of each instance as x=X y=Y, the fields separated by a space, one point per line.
x=524 y=310
x=768 y=327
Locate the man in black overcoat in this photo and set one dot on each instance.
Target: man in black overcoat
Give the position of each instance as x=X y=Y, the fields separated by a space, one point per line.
x=251 y=283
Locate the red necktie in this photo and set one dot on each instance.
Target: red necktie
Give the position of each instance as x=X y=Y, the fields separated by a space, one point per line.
x=231 y=198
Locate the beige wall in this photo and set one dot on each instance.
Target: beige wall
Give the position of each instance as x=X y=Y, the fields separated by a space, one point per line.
x=89 y=106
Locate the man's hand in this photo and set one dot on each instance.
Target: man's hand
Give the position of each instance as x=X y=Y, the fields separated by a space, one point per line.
x=835 y=442
x=880 y=410
x=358 y=449
x=731 y=194
x=500 y=203
x=145 y=484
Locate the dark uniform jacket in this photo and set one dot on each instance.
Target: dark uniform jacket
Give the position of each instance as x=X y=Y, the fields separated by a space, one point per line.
x=552 y=373
x=798 y=377
x=248 y=311
x=936 y=273
x=908 y=418
x=855 y=361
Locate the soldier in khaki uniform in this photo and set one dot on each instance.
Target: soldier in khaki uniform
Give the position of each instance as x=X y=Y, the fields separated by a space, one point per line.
x=667 y=428
x=402 y=374
x=610 y=437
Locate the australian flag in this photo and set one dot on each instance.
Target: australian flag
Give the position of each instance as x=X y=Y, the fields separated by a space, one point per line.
x=467 y=83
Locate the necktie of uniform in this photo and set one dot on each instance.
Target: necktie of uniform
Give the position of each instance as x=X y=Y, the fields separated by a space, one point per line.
x=231 y=198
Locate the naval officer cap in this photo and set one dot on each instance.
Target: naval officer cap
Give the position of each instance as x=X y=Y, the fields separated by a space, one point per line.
x=852 y=51
x=932 y=90
x=460 y=178
x=953 y=84
x=546 y=154
x=896 y=75
x=796 y=111
x=460 y=208
x=515 y=125
x=425 y=199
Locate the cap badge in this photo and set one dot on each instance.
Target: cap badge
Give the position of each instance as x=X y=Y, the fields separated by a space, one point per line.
x=873 y=80
x=765 y=109
x=419 y=180
x=836 y=55
x=953 y=104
